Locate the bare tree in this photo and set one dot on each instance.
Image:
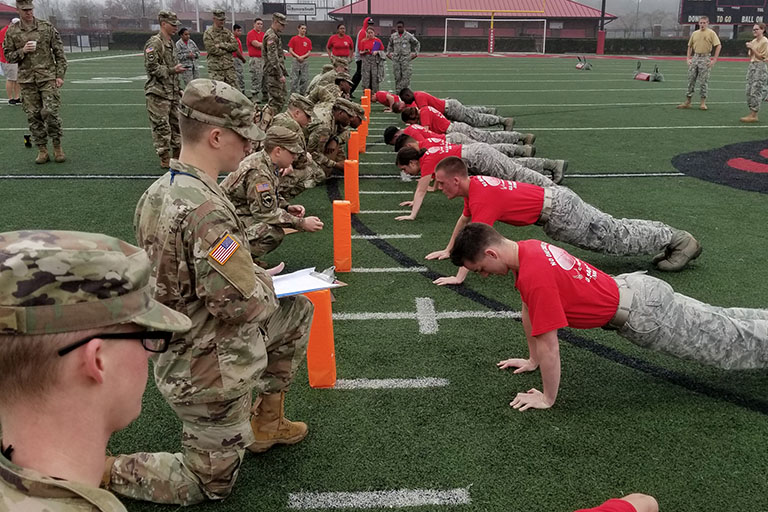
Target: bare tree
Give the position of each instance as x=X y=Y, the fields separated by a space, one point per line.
x=84 y=8
x=132 y=8
x=47 y=8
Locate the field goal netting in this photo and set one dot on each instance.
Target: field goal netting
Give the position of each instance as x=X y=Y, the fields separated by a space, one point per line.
x=506 y=36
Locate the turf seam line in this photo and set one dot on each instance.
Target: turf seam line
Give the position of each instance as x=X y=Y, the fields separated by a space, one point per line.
x=670 y=376
x=414 y=383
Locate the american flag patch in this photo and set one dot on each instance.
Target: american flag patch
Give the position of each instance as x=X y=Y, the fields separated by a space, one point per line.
x=223 y=250
x=149 y=49
x=262 y=187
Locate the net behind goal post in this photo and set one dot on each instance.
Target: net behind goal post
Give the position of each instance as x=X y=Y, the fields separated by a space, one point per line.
x=503 y=35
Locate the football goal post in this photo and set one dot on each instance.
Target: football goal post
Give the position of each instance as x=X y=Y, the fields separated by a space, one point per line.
x=495 y=35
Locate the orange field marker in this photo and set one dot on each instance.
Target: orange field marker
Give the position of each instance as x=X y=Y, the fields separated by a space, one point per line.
x=352 y=184
x=342 y=236
x=321 y=353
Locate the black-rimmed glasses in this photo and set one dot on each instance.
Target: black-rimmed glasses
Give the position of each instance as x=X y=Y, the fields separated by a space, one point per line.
x=152 y=341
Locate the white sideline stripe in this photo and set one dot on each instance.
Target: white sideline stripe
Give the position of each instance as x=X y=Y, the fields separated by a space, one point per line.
x=378 y=499
x=418 y=383
x=404 y=315
x=426 y=315
x=458 y=315
x=70 y=61
x=385 y=192
x=375 y=270
x=155 y=176
x=384 y=237
x=445 y=315
x=384 y=211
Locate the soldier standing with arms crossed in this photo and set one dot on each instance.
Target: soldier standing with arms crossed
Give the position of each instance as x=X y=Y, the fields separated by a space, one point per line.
x=402 y=48
x=187 y=54
x=162 y=89
x=220 y=43
x=35 y=45
x=699 y=65
x=242 y=337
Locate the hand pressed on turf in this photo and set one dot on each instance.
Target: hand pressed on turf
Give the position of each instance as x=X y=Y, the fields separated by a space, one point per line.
x=522 y=365
x=532 y=399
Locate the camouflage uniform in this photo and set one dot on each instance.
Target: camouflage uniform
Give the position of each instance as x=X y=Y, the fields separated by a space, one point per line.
x=456 y=111
x=484 y=160
x=253 y=190
x=757 y=84
x=575 y=222
x=370 y=71
x=182 y=56
x=324 y=94
x=401 y=47
x=38 y=72
x=306 y=173
x=489 y=137
x=320 y=130
x=220 y=43
x=274 y=69
x=65 y=282
x=162 y=93
x=328 y=76
x=698 y=71
x=665 y=321
x=239 y=73
x=242 y=338
x=299 y=76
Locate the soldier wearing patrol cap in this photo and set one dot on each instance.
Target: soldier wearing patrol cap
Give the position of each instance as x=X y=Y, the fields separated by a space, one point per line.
x=220 y=42
x=274 y=64
x=77 y=320
x=242 y=337
x=35 y=45
x=162 y=88
x=329 y=92
x=253 y=190
x=328 y=120
x=339 y=65
x=306 y=173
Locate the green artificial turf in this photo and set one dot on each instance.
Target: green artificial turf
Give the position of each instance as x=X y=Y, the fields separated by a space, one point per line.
x=626 y=419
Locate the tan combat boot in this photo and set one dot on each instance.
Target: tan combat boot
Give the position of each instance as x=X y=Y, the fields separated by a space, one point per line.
x=527 y=139
x=525 y=150
x=750 y=118
x=685 y=104
x=58 y=154
x=558 y=170
x=270 y=426
x=509 y=123
x=42 y=154
x=681 y=249
x=703 y=104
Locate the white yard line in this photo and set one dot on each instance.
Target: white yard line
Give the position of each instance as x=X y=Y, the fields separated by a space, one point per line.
x=393 y=236
x=375 y=212
x=417 y=383
x=385 y=192
x=72 y=61
x=398 y=498
x=387 y=270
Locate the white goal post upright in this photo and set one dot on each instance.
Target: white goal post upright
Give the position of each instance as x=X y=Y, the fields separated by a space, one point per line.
x=491 y=36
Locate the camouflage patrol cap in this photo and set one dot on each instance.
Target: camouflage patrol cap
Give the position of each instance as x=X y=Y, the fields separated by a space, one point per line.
x=279 y=17
x=301 y=102
x=63 y=281
x=168 y=17
x=219 y=14
x=220 y=104
x=345 y=105
x=340 y=62
x=359 y=111
x=343 y=76
x=24 y=4
x=285 y=138
x=327 y=67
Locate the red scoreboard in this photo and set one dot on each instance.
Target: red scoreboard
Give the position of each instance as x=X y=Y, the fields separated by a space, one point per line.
x=723 y=12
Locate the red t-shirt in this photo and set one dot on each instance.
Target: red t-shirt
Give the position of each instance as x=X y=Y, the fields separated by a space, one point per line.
x=435 y=154
x=420 y=133
x=431 y=142
x=254 y=36
x=239 y=45
x=340 y=46
x=434 y=120
x=300 y=45
x=560 y=290
x=424 y=99
x=368 y=46
x=2 y=38
x=381 y=97
x=491 y=199
x=613 y=505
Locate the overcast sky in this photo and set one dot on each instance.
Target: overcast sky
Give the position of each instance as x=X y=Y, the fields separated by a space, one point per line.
x=625 y=6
